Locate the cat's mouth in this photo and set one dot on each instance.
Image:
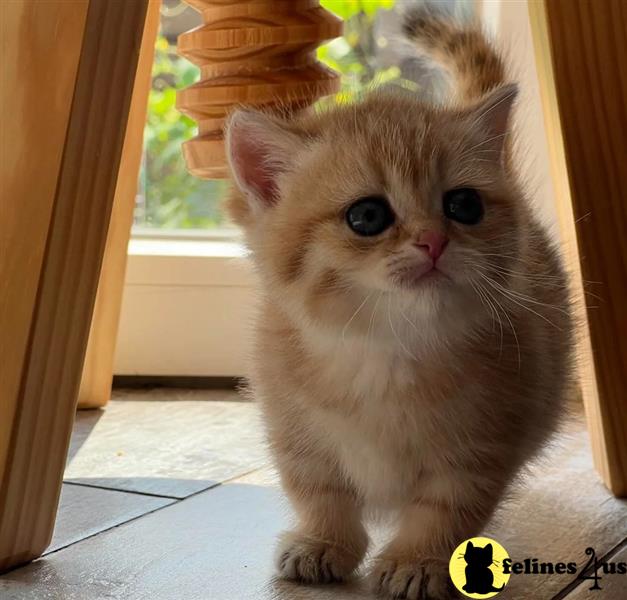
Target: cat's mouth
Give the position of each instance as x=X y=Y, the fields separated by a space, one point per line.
x=414 y=277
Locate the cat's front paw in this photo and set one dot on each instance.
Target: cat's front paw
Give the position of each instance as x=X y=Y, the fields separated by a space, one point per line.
x=308 y=560
x=399 y=579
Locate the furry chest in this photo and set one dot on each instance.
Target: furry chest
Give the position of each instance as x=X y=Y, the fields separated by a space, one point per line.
x=379 y=457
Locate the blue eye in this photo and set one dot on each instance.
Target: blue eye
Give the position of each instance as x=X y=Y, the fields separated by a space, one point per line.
x=369 y=216
x=463 y=205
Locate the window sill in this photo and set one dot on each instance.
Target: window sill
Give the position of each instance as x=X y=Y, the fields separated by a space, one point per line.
x=192 y=262
x=186 y=309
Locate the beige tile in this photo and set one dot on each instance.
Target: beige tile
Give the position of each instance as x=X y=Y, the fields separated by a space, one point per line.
x=613 y=587
x=172 y=447
x=85 y=511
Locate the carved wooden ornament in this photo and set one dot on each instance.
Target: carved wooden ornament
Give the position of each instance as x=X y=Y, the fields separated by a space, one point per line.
x=256 y=53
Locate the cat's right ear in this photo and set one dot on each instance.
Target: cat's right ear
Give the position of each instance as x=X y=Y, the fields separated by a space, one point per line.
x=259 y=149
x=469 y=546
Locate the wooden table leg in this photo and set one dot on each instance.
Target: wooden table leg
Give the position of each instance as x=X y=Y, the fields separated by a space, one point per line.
x=95 y=389
x=580 y=48
x=57 y=213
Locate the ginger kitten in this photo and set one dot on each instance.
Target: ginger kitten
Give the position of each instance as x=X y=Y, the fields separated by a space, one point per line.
x=413 y=346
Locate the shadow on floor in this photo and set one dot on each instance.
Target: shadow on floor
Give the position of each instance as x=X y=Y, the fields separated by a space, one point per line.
x=84 y=423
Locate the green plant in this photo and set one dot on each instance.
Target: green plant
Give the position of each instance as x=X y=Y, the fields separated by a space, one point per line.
x=172 y=198
x=353 y=55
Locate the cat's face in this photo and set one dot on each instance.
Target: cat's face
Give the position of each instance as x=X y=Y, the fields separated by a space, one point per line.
x=386 y=201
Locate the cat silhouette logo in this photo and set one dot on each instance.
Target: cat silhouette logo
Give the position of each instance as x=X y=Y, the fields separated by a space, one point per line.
x=476 y=568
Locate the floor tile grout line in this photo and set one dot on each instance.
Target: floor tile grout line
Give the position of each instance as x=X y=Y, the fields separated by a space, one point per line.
x=150 y=512
x=177 y=498
x=96 y=533
x=576 y=583
x=121 y=490
x=232 y=479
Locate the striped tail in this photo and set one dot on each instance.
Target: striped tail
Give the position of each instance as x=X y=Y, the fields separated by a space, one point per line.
x=461 y=49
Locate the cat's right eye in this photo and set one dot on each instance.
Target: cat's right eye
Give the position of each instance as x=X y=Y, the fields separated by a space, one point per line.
x=369 y=216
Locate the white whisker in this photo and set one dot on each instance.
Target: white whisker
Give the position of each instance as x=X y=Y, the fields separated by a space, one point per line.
x=506 y=294
x=398 y=339
x=354 y=315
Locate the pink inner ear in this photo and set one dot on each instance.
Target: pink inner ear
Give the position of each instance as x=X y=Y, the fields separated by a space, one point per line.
x=254 y=166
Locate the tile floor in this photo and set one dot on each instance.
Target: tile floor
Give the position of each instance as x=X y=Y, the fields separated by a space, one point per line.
x=170 y=495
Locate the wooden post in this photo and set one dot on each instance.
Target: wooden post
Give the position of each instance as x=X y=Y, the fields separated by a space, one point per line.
x=580 y=48
x=253 y=52
x=95 y=389
x=60 y=204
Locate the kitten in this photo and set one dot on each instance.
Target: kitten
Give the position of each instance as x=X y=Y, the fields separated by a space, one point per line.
x=413 y=345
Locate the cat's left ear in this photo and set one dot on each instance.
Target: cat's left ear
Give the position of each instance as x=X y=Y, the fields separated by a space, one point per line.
x=491 y=115
x=260 y=148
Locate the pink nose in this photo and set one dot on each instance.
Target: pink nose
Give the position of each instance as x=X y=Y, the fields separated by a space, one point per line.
x=433 y=243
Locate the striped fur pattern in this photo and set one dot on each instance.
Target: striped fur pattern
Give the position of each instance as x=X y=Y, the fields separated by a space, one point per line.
x=420 y=401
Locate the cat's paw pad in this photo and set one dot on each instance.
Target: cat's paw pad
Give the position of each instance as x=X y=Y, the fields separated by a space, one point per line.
x=307 y=560
x=399 y=580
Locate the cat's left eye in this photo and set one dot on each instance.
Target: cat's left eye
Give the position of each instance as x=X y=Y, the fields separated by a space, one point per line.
x=463 y=205
x=370 y=216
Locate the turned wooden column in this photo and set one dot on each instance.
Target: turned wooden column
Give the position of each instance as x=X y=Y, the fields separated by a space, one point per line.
x=259 y=53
